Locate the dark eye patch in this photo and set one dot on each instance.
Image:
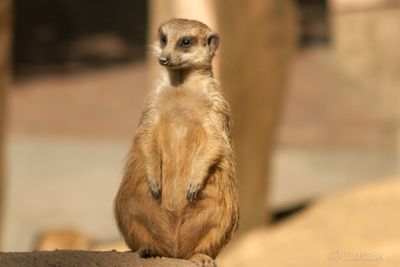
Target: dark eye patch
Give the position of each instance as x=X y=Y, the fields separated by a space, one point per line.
x=186 y=42
x=163 y=40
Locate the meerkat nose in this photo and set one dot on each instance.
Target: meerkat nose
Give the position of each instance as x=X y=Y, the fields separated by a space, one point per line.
x=164 y=61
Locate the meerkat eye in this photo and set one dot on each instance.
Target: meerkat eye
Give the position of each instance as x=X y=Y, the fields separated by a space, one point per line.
x=163 y=40
x=186 y=42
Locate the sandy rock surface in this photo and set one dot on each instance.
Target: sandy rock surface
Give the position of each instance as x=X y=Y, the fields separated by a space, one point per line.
x=357 y=228
x=84 y=258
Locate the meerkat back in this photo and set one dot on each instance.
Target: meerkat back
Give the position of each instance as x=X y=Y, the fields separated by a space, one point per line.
x=178 y=196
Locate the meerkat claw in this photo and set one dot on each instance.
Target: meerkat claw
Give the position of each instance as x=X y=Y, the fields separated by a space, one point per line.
x=156 y=194
x=193 y=191
x=203 y=261
x=147 y=253
x=155 y=190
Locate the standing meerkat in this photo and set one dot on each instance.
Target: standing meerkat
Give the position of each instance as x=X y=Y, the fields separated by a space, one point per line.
x=178 y=197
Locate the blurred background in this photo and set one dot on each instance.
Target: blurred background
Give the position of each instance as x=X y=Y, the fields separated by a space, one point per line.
x=314 y=88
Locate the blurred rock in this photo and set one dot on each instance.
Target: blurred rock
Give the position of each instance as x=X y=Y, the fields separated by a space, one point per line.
x=72 y=239
x=107 y=246
x=87 y=259
x=63 y=238
x=348 y=5
x=359 y=227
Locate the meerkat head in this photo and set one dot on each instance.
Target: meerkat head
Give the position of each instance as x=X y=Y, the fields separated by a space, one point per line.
x=186 y=43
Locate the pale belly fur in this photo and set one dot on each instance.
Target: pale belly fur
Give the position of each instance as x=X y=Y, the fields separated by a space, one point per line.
x=181 y=134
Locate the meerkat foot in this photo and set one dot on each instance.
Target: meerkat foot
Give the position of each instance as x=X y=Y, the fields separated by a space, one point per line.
x=148 y=253
x=154 y=189
x=202 y=260
x=193 y=191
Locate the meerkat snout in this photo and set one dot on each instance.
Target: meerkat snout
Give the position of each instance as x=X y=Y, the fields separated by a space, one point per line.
x=164 y=60
x=187 y=47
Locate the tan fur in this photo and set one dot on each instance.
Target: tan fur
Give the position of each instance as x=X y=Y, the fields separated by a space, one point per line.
x=178 y=196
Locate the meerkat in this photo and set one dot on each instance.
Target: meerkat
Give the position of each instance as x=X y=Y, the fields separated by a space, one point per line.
x=178 y=197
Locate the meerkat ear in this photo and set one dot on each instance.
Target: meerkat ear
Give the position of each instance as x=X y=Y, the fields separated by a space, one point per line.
x=212 y=42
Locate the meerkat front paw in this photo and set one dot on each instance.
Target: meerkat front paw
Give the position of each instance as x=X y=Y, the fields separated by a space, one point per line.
x=193 y=191
x=154 y=189
x=203 y=260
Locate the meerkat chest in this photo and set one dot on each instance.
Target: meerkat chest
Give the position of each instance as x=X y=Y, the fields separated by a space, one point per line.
x=182 y=106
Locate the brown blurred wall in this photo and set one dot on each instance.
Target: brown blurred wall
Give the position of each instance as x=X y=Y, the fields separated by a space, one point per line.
x=5 y=39
x=257 y=40
x=366 y=39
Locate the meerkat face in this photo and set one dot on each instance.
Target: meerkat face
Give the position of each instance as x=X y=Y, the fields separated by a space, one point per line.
x=186 y=43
